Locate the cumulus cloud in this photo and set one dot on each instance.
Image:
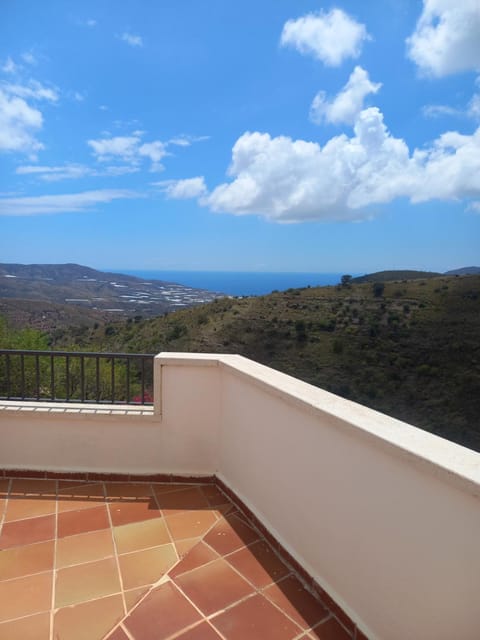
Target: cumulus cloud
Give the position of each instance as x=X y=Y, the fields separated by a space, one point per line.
x=18 y=124
x=129 y=149
x=183 y=189
x=289 y=180
x=329 y=37
x=446 y=38
x=348 y=103
x=60 y=203
x=132 y=39
x=29 y=58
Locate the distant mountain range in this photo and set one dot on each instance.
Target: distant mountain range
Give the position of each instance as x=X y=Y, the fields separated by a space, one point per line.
x=106 y=293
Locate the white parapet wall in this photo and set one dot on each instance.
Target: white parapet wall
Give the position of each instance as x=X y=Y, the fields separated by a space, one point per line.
x=385 y=516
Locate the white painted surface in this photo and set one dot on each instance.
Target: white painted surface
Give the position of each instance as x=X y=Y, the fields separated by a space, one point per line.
x=385 y=517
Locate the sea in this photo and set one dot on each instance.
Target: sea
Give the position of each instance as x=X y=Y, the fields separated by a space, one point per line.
x=238 y=283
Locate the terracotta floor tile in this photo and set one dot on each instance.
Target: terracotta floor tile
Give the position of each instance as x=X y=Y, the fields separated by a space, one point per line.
x=190 y=524
x=213 y=586
x=256 y=619
x=162 y=613
x=184 y=546
x=33 y=487
x=85 y=547
x=118 y=491
x=160 y=489
x=214 y=496
x=89 y=620
x=84 y=496
x=135 y=510
x=141 y=535
x=178 y=501
x=329 y=630
x=86 y=581
x=25 y=596
x=72 y=523
x=118 y=634
x=35 y=627
x=68 y=484
x=4 y=484
x=229 y=534
x=134 y=596
x=23 y=532
x=259 y=564
x=198 y=556
x=146 y=567
x=20 y=507
x=297 y=602
x=202 y=631
x=23 y=561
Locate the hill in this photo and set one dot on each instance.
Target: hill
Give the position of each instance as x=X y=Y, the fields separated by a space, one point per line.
x=412 y=351
x=387 y=276
x=109 y=293
x=464 y=271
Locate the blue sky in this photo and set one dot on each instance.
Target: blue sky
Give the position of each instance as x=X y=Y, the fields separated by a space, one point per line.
x=281 y=135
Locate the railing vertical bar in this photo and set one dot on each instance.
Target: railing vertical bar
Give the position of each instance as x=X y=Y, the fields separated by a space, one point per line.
x=52 y=377
x=97 y=378
x=22 y=376
x=128 y=382
x=7 y=372
x=37 y=375
x=82 y=377
x=113 y=380
x=67 y=378
x=143 y=380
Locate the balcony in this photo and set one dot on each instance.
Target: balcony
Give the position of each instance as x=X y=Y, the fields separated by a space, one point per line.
x=244 y=504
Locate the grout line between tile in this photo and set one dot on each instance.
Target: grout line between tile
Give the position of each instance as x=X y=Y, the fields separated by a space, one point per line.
x=115 y=550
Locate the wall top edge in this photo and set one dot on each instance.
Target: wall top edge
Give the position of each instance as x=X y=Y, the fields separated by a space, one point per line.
x=455 y=462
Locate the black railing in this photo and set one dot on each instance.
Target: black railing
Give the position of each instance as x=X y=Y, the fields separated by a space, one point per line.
x=75 y=376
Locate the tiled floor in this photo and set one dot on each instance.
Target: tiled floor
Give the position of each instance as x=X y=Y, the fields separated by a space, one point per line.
x=143 y=561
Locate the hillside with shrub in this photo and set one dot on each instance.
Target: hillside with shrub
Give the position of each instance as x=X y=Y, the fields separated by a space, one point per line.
x=408 y=348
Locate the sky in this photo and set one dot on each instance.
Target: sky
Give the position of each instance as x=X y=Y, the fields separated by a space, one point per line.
x=262 y=135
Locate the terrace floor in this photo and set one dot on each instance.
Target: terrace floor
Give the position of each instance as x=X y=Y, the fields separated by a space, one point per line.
x=94 y=560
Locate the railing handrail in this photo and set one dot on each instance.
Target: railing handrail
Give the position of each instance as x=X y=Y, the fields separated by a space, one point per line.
x=101 y=354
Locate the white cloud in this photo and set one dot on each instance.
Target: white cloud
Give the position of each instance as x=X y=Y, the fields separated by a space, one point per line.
x=183 y=189
x=155 y=151
x=129 y=149
x=186 y=140
x=71 y=171
x=29 y=58
x=294 y=181
x=91 y=23
x=348 y=103
x=473 y=109
x=63 y=203
x=18 y=123
x=54 y=174
x=474 y=206
x=447 y=37
x=132 y=39
x=330 y=37
x=10 y=66
x=124 y=147
x=34 y=90
x=438 y=110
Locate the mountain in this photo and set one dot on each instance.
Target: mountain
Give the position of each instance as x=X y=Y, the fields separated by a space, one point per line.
x=464 y=271
x=108 y=293
x=386 y=276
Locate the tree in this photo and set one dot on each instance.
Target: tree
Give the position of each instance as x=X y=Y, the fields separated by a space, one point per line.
x=378 y=289
x=346 y=280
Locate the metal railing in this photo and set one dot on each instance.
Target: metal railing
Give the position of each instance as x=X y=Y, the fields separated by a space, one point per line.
x=75 y=376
